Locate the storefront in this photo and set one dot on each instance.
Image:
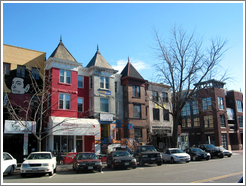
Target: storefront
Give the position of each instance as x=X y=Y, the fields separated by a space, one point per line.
x=72 y=134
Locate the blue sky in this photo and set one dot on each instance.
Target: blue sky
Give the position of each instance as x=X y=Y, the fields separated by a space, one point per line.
x=124 y=29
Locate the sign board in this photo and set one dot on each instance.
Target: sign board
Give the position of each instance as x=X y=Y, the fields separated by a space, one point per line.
x=105 y=92
x=130 y=126
x=16 y=127
x=106 y=117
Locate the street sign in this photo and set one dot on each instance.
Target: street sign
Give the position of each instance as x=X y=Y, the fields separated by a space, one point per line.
x=130 y=126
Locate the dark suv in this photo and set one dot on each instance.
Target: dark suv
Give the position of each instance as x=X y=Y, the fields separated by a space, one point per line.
x=213 y=150
x=147 y=154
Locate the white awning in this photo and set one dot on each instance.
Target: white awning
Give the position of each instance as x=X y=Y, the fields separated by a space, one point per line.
x=74 y=126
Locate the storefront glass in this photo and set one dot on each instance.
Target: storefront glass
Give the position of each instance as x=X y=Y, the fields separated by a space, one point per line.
x=64 y=143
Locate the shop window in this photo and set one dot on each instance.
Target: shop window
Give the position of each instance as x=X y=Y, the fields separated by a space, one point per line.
x=35 y=73
x=206 y=103
x=80 y=81
x=6 y=68
x=105 y=132
x=64 y=101
x=156 y=114
x=137 y=111
x=65 y=76
x=64 y=144
x=104 y=105
x=208 y=121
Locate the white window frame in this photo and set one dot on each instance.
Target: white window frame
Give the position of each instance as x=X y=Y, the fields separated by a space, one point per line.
x=65 y=76
x=64 y=99
x=82 y=104
x=103 y=82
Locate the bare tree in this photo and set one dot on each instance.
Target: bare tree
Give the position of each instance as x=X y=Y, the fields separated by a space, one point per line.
x=184 y=63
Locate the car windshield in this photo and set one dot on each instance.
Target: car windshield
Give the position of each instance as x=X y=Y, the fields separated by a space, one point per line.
x=118 y=154
x=196 y=150
x=148 y=148
x=176 y=151
x=87 y=156
x=39 y=156
x=209 y=146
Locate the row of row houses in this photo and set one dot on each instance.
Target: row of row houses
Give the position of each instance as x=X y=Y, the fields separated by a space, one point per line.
x=89 y=107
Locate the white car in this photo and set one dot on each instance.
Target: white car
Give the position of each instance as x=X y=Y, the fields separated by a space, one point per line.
x=38 y=162
x=173 y=155
x=9 y=164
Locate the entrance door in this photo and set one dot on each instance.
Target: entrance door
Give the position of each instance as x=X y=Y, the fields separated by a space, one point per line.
x=79 y=145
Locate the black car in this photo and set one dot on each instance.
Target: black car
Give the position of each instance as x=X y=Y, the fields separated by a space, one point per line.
x=147 y=154
x=197 y=154
x=121 y=159
x=213 y=150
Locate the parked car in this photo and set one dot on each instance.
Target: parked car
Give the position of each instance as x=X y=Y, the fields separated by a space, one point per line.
x=87 y=161
x=38 y=162
x=147 y=154
x=213 y=150
x=173 y=155
x=197 y=154
x=121 y=159
x=227 y=153
x=9 y=164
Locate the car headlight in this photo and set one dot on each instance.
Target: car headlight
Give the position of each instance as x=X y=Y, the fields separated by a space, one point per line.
x=24 y=165
x=46 y=164
x=134 y=160
x=98 y=163
x=145 y=156
x=208 y=154
x=158 y=155
x=117 y=160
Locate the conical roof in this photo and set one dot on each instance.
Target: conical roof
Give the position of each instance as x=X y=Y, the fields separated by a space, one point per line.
x=61 y=52
x=99 y=61
x=130 y=71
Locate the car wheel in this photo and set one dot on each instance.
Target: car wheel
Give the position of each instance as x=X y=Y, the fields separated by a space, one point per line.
x=207 y=158
x=141 y=163
x=73 y=167
x=187 y=161
x=54 y=170
x=77 y=170
x=172 y=160
x=229 y=156
x=158 y=164
x=134 y=167
x=221 y=156
x=23 y=175
x=11 y=171
x=100 y=169
x=193 y=158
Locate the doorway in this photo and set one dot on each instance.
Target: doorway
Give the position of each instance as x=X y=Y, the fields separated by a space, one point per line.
x=79 y=145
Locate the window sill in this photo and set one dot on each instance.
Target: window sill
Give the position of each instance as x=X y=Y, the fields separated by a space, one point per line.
x=67 y=84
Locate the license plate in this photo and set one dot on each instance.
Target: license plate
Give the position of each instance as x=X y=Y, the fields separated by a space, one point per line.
x=152 y=158
x=127 y=163
x=35 y=169
x=90 y=167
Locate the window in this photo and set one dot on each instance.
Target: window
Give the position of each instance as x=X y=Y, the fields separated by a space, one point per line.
x=164 y=97
x=20 y=71
x=195 y=107
x=80 y=81
x=117 y=107
x=104 y=82
x=35 y=73
x=208 y=121
x=240 y=121
x=80 y=104
x=136 y=91
x=64 y=101
x=186 y=122
x=239 y=106
x=155 y=96
x=220 y=103
x=196 y=122
x=137 y=111
x=206 y=103
x=116 y=86
x=65 y=76
x=6 y=68
x=156 y=114
x=165 y=115
x=224 y=140
x=138 y=132
x=91 y=81
x=186 y=110
x=222 y=121
x=64 y=143
x=104 y=105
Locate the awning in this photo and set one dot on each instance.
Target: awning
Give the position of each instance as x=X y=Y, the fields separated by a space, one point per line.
x=74 y=126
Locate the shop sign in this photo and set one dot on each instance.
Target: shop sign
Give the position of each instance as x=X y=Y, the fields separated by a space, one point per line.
x=130 y=126
x=105 y=92
x=16 y=127
x=106 y=117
